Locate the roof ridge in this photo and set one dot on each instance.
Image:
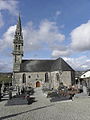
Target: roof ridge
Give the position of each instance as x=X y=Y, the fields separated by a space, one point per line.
x=38 y=59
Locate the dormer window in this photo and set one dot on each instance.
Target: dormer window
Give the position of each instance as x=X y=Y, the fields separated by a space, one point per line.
x=84 y=75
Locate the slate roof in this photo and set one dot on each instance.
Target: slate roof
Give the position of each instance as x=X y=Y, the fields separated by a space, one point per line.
x=44 y=65
x=79 y=73
x=60 y=64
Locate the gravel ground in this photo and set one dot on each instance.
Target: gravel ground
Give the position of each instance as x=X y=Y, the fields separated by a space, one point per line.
x=43 y=109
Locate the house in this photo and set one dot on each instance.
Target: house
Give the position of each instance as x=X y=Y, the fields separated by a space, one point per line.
x=85 y=77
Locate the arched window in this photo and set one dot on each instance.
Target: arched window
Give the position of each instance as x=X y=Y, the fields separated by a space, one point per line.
x=24 y=78
x=57 y=76
x=46 y=77
x=16 y=47
x=19 y=47
x=37 y=76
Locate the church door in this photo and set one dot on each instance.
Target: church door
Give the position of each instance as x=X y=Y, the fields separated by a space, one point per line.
x=37 y=84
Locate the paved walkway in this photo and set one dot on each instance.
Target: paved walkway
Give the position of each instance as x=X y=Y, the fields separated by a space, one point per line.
x=43 y=109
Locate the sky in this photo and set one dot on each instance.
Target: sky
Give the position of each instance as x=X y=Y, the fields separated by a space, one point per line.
x=51 y=29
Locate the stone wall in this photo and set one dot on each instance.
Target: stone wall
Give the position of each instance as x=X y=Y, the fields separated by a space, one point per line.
x=33 y=77
x=64 y=76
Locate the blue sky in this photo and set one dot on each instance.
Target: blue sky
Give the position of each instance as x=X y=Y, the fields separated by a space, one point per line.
x=51 y=29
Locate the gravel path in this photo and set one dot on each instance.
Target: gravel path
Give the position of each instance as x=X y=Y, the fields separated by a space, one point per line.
x=43 y=109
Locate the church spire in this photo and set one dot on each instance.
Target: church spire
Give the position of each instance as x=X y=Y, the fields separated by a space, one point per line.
x=19 y=27
x=18 y=33
x=18 y=46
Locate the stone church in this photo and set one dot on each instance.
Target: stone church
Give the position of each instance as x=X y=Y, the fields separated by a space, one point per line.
x=37 y=72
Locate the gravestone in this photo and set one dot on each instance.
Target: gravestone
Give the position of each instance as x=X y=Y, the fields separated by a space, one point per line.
x=84 y=87
x=10 y=94
x=18 y=90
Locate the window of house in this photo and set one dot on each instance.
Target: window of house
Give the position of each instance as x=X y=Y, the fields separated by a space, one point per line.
x=19 y=47
x=57 y=76
x=77 y=81
x=16 y=47
x=24 y=78
x=37 y=76
x=46 y=77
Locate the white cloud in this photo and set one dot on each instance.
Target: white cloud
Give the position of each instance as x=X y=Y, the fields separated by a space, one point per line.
x=6 y=44
x=11 y=6
x=60 y=50
x=47 y=34
x=80 y=37
x=80 y=63
x=6 y=41
x=59 y=53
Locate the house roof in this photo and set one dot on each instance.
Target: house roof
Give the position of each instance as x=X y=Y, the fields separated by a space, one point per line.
x=79 y=73
x=60 y=64
x=44 y=65
x=86 y=74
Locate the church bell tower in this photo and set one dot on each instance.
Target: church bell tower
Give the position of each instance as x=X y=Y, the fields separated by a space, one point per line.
x=18 y=47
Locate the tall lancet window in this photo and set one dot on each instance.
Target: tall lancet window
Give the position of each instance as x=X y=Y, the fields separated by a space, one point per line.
x=46 y=77
x=24 y=78
x=57 y=76
x=19 y=47
x=16 y=47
